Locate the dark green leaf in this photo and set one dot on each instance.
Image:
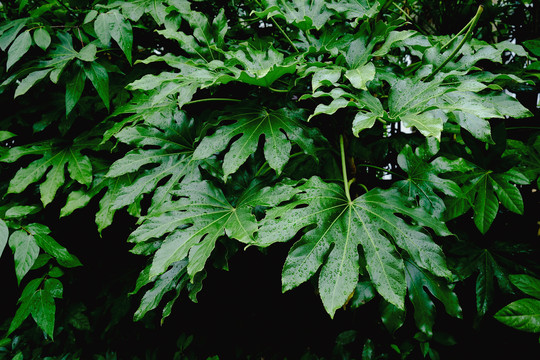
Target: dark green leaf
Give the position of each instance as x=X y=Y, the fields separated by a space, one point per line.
x=527 y=284
x=100 y=79
x=43 y=311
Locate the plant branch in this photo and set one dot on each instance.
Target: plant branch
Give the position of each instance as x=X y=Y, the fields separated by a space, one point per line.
x=346 y=184
x=471 y=25
x=211 y=99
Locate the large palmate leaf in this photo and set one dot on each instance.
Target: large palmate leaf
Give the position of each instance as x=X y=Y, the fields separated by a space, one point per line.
x=279 y=127
x=341 y=226
x=355 y=9
x=54 y=158
x=423 y=180
x=162 y=158
x=195 y=221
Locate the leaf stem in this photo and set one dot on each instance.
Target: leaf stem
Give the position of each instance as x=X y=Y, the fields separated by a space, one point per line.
x=346 y=184
x=211 y=99
x=471 y=25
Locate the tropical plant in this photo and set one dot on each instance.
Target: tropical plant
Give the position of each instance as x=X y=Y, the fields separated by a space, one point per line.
x=205 y=128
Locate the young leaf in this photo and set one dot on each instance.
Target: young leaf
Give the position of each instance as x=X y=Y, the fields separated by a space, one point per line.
x=279 y=128
x=368 y=221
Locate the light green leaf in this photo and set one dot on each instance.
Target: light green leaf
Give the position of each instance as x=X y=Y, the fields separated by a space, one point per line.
x=5 y=135
x=88 y=53
x=20 y=46
x=30 y=81
x=305 y=14
x=100 y=79
x=355 y=9
x=527 y=284
x=279 y=127
x=347 y=225
x=25 y=252
x=360 y=76
x=4 y=235
x=363 y=121
x=21 y=211
x=324 y=76
x=10 y=32
x=523 y=314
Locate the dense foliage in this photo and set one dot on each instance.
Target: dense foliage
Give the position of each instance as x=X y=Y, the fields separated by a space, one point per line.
x=373 y=149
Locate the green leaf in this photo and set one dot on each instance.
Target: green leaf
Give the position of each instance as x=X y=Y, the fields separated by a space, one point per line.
x=88 y=53
x=360 y=76
x=423 y=180
x=10 y=32
x=51 y=247
x=5 y=135
x=25 y=252
x=173 y=279
x=365 y=221
x=174 y=138
x=305 y=14
x=113 y=24
x=52 y=162
x=522 y=314
x=279 y=128
x=533 y=46
x=30 y=81
x=100 y=79
x=527 y=284
x=418 y=281
x=355 y=9
x=74 y=89
x=4 y=235
x=409 y=101
x=43 y=311
x=60 y=56
x=20 y=46
x=200 y=217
